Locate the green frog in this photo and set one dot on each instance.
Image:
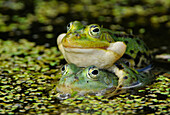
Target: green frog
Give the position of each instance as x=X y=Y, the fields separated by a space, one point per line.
x=95 y=45
x=93 y=80
x=78 y=47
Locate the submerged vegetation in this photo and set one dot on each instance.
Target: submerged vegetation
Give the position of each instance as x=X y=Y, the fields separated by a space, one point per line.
x=30 y=60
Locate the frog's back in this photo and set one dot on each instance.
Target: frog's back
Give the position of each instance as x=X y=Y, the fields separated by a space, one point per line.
x=136 y=48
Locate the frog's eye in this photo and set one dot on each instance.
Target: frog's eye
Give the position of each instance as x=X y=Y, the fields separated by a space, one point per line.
x=69 y=26
x=94 y=31
x=64 y=70
x=93 y=72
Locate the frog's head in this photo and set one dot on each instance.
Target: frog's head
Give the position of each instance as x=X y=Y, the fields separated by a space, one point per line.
x=80 y=44
x=67 y=70
x=85 y=80
x=79 y=36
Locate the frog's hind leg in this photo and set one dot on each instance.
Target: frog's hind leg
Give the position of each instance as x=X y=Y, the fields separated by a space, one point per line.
x=123 y=87
x=131 y=79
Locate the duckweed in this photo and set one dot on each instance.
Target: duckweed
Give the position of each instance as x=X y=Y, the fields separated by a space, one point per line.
x=28 y=80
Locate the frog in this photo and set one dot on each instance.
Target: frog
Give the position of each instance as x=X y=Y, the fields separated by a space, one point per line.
x=86 y=45
x=77 y=48
x=92 y=80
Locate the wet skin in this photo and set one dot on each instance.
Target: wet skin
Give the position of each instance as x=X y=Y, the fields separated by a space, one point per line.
x=97 y=81
x=123 y=55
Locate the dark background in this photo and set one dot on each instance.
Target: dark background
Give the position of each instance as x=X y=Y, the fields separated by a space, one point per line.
x=41 y=21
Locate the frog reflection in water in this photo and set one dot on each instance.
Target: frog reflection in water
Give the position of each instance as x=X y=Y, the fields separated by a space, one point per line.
x=100 y=82
x=106 y=49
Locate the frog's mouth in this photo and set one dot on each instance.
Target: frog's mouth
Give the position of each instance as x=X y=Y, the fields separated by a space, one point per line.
x=76 y=41
x=84 y=44
x=70 y=90
x=87 y=44
x=102 y=56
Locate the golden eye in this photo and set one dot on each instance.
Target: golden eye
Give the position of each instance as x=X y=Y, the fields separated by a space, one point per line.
x=64 y=69
x=93 y=73
x=69 y=26
x=94 y=31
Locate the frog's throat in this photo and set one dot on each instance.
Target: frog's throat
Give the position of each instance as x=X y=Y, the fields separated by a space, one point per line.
x=86 y=44
x=98 y=57
x=88 y=47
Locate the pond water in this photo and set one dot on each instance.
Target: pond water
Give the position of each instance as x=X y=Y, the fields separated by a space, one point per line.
x=30 y=60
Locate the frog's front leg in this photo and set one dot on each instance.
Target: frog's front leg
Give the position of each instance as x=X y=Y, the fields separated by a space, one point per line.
x=122 y=71
x=128 y=78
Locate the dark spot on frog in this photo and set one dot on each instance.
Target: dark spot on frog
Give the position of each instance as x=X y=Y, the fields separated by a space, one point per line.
x=146 y=73
x=124 y=35
x=87 y=81
x=76 y=78
x=139 y=54
x=126 y=56
x=145 y=55
x=78 y=35
x=126 y=77
x=119 y=66
x=120 y=86
x=118 y=90
x=127 y=63
x=143 y=62
x=136 y=62
x=131 y=51
x=133 y=70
